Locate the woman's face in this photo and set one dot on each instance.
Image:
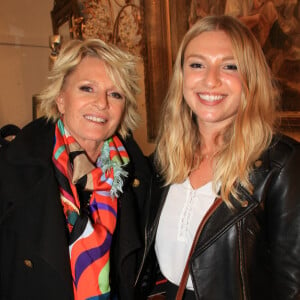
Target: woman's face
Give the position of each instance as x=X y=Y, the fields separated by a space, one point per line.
x=211 y=82
x=92 y=106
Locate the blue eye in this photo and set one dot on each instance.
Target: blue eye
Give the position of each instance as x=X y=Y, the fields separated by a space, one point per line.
x=116 y=95
x=196 y=65
x=86 y=88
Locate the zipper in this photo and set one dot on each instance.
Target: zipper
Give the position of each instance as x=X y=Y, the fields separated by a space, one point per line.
x=145 y=239
x=143 y=259
x=241 y=257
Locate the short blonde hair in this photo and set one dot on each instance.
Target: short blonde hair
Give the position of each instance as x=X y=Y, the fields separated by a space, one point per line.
x=120 y=66
x=249 y=134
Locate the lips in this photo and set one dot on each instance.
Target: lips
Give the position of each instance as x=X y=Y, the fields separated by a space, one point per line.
x=95 y=119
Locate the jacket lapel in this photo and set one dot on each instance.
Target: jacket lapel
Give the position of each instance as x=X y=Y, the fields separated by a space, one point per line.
x=223 y=218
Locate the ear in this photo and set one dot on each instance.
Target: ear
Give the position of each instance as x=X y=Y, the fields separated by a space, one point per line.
x=60 y=102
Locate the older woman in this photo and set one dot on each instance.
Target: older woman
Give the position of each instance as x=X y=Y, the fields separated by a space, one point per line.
x=226 y=173
x=72 y=184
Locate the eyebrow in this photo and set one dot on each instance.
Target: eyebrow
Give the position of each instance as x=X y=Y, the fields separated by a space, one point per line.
x=225 y=58
x=88 y=81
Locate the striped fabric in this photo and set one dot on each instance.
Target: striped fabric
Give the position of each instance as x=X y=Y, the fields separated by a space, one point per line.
x=89 y=200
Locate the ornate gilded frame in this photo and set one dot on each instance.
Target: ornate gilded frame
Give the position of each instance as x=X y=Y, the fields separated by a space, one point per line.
x=62 y=16
x=166 y=22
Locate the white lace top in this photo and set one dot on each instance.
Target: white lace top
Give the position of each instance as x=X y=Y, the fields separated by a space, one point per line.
x=182 y=213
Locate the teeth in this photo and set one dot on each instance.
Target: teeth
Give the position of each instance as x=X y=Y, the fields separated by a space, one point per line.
x=211 y=98
x=95 y=119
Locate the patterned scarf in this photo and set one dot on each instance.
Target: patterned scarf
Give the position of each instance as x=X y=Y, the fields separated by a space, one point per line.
x=89 y=200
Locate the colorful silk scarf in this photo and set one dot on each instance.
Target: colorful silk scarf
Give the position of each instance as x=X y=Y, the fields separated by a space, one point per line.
x=89 y=200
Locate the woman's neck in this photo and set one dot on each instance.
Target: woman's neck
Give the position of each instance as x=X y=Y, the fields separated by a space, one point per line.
x=92 y=151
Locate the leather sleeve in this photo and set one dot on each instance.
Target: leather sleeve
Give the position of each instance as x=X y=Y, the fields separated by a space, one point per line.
x=283 y=220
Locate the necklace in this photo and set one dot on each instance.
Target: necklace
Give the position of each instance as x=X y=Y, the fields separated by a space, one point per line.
x=207 y=156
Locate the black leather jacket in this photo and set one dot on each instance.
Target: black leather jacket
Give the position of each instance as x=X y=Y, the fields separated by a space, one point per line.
x=251 y=252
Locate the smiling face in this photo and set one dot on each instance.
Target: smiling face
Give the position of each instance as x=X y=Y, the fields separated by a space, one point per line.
x=91 y=105
x=211 y=83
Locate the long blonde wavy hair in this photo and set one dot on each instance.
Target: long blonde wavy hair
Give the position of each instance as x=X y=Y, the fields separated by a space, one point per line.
x=120 y=66
x=244 y=140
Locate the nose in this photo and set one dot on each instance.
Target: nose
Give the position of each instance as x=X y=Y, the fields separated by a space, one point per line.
x=212 y=77
x=102 y=101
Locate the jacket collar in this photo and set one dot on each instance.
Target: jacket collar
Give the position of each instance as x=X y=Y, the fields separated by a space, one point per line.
x=224 y=217
x=220 y=220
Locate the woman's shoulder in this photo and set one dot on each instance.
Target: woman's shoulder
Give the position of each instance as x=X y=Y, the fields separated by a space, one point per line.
x=138 y=160
x=284 y=148
x=283 y=142
x=31 y=140
x=133 y=149
x=40 y=125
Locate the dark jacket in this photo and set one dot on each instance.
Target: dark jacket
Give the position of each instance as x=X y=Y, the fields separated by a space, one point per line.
x=34 y=259
x=251 y=252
